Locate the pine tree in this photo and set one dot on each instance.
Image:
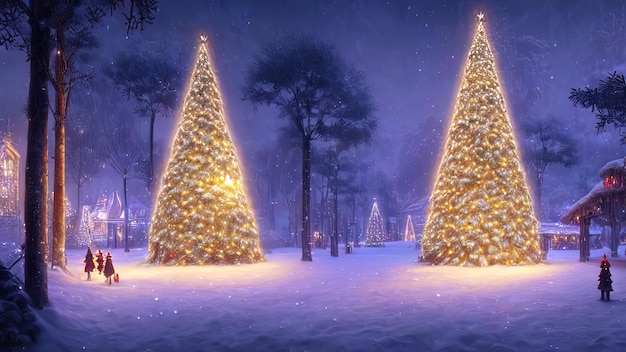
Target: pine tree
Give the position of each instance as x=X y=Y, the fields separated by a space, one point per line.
x=375 y=233
x=409 y=232
x=202 y=214
x=82 y=235
x=481 y=210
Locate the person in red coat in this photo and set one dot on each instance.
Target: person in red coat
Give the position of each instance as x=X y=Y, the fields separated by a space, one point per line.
x=100 y=261
x=89 y=264
x=605 y=284
x=108 y=268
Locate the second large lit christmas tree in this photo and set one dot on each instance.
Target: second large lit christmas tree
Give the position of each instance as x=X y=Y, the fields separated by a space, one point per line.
x=202 y=214
x=481 y=210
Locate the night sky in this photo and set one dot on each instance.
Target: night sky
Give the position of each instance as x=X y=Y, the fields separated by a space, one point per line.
x=412 y=54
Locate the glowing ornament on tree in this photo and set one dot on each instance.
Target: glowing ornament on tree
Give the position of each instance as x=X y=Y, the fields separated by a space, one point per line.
x=202 y=214
x=375 y=233
x=481 y=210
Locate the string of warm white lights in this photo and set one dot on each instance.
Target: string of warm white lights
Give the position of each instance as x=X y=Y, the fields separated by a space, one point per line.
x=481 y=211
x=375 y=233
x=202 y=214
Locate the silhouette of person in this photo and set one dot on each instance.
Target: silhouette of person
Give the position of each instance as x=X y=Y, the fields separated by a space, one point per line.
x=605 y=284
x=100 y=261
x=108 y=268
x=89 y=264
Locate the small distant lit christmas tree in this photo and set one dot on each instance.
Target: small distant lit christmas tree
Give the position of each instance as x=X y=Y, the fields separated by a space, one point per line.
x=202 y=213
x=85 y=228
x=375 y=233
x=409 y=232
x=481 y=211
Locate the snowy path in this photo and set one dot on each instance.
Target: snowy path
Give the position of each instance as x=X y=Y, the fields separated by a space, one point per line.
x=376 y=299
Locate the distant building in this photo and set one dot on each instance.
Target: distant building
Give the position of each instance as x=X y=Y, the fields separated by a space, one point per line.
x=605 y=204
x=109 y=219
x=9 y=178
x=102 y=224
x=10 y=229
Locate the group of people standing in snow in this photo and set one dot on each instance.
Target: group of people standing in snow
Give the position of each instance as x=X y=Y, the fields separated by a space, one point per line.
x=103 y=265
x=605 y=283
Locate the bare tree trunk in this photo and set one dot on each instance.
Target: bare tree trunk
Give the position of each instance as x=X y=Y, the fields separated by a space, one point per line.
x=322 y=212
x=151 y=182
x=293 y=223
x=538 y=189
x=36 y=187
x=352 y=227
x=79 y=210
x=58 y=206
x=334 y=239
x=306 y=200
x=126 y=248
x=60 y=113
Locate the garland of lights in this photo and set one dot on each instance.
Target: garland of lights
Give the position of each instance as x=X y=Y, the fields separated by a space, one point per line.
x=481 y=211
x=202 y=214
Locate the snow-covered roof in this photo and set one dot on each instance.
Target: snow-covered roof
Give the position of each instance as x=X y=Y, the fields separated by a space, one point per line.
x=7 y=148
x=590 y=203
x=611 y=166
x=571 y=217
x=110 y=207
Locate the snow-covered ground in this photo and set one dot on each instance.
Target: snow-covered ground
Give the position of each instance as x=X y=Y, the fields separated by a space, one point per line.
x=376 y=299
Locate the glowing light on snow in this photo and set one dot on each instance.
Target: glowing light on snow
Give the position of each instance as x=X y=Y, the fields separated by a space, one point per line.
x=202 y=214
x=473 y=280
x=481 y=211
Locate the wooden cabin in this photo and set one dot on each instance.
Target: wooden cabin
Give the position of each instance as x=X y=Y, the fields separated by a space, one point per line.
x=605 y=204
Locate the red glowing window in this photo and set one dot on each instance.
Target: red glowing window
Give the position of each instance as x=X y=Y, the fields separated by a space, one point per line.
x=610 y=182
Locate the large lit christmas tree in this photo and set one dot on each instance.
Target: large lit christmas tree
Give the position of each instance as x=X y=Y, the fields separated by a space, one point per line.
x=409 y=231
x=202 y=213
x=375 y=233
x=481 y=210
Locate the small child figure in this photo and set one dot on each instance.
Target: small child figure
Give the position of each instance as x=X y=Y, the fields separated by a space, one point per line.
x=89 y=264
x=605 y=284
x=108 y=268
x=100 y=261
